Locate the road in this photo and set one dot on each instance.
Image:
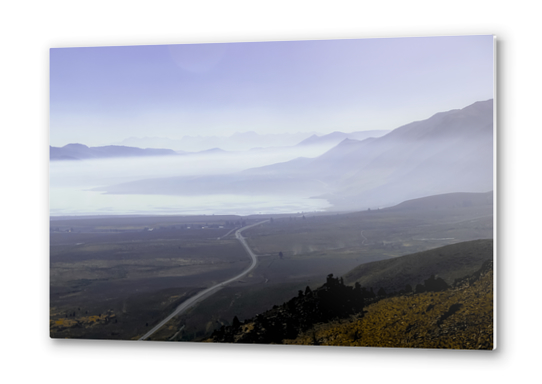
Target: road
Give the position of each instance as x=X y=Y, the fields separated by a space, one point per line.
x=364 y=238
x=215 y=288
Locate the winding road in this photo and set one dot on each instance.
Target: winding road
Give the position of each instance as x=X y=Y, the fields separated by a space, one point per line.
x=215 y=288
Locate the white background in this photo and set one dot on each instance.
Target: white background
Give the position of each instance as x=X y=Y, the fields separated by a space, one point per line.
x=28 y=29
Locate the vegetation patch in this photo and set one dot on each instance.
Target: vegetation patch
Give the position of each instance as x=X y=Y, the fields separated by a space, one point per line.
x=458 y=318
x=453 y=317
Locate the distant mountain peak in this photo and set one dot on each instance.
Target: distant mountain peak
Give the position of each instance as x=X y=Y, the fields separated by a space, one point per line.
x=75 y=145
x=336 y=137
x=349 y=141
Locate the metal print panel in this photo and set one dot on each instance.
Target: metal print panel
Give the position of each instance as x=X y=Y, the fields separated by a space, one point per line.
x=334 y=192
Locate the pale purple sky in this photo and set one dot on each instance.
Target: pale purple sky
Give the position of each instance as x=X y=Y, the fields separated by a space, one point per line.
x=102 y=95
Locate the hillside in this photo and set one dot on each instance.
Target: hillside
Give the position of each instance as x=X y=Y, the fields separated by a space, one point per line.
x=445 y=201
x=435 y=314
x=449 y=263
x=459 y=318
x=331 y=300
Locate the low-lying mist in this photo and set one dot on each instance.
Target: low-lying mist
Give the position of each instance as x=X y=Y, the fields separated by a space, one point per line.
x=102 y=172
x=72 y=184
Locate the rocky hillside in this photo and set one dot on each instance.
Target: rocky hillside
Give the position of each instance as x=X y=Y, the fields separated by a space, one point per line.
x=331 y=300
x=458 y=318
x=432 y=314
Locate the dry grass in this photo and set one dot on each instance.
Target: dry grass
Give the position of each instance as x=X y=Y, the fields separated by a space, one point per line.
x=418 y=321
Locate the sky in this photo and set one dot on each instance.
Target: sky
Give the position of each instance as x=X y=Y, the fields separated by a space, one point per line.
x=103 y=95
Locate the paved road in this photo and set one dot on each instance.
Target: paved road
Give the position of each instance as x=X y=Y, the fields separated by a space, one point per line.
x=364 y=238
x=215 y=288
x=227 y=234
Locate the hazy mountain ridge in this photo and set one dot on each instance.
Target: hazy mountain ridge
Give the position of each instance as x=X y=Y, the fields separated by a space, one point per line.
x=240 y=141
x=449 y=152
x=336 y=137
x=244 y=141
x=82 y=152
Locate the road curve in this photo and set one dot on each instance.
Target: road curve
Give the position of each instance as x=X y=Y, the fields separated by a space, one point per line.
x=215 y=288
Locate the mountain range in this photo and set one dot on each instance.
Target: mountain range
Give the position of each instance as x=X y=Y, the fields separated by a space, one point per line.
x=449 y=152
x=240 y=141
x=247 y=141
x=336 y=137
x=244 y=141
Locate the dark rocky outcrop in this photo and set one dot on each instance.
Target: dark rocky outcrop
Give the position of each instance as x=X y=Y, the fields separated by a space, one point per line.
x=330 y=301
